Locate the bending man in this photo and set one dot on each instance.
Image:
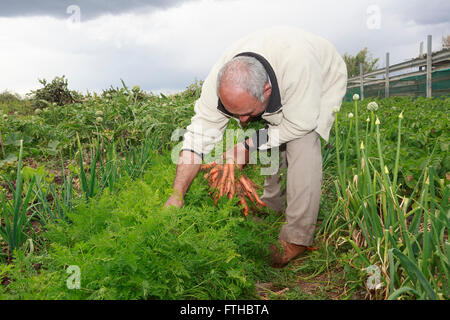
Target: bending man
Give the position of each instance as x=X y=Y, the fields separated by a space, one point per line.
x=292 y=79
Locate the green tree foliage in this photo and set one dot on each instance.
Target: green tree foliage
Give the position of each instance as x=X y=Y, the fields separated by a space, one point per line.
x=364 y=57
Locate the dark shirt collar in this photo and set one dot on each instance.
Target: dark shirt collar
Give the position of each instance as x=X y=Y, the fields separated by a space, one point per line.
x=275 y=98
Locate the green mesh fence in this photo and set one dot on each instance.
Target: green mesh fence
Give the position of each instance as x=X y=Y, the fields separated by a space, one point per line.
x=410 y=86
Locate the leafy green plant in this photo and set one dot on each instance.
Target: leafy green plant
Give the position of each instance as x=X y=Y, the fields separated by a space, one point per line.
x=54 y=92
x=124 y=245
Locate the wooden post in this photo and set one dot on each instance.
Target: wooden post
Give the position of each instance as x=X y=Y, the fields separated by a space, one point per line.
x=386 y=89
x=429 y=66
x=361 y=74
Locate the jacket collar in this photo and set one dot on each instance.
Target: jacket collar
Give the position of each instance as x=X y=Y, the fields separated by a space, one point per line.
x=275 y=98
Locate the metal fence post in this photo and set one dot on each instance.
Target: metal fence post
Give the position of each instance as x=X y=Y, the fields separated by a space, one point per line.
x=429 y=66
x=361 y=74
x=386 y=89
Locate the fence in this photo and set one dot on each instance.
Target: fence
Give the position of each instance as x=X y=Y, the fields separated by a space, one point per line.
x=431 y=79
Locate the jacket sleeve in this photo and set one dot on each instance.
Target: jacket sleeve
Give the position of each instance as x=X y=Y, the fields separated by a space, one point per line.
x=301 y=106
x=208 y=124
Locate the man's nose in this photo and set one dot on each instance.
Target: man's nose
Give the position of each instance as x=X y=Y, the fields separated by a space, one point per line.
x=244 y=119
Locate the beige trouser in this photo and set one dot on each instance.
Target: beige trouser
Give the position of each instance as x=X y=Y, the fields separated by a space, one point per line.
x=303 y=159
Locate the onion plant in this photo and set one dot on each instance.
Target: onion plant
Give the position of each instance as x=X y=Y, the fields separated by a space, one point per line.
x=14 y=220
x=403 y=236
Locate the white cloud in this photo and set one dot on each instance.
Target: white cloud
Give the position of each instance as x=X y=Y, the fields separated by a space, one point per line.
x=170 y=48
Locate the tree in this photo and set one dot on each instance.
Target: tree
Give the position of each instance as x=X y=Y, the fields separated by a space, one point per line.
x=364 y=57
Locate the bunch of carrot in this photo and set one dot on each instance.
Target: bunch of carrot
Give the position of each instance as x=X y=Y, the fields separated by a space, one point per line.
x=222 y=181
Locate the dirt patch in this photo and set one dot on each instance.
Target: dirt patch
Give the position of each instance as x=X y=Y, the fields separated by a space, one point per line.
x=328 y=285
x=5 y=281
x=318 y=287
x=312 y=286
x=267 y=290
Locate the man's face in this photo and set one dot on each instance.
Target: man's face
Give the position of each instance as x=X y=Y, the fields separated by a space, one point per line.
x=243 y=105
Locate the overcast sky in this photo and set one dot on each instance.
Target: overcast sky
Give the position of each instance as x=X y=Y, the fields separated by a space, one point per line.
x=164 y=45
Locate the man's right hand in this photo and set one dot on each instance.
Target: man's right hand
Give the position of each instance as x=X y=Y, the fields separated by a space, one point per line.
x=174 y=200
x=187 y=168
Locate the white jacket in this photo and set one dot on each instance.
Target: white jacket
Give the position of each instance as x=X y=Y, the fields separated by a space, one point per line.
x=308 y=77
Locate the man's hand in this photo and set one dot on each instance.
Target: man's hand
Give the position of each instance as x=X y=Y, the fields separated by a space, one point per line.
x=222 y=179
x=187 y=169
x=174 y=200
x=238 y=155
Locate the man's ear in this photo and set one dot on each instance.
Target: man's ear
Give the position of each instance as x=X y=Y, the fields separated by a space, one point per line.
x=267 y=90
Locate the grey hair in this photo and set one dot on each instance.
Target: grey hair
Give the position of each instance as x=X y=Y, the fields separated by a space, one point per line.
x=246 y=73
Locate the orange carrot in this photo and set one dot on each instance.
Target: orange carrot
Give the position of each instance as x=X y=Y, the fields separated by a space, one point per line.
x=214 y=183
x=214 y=170
x=207 y=166
x=244 y=204
x=249 y=195
x=228 y=187
x=258 y=200
x=216 y=198
x=232 y=191
x=232 y=173
x=247 y=185
x=214 y=176
x=225 y=172
x=223 y=180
